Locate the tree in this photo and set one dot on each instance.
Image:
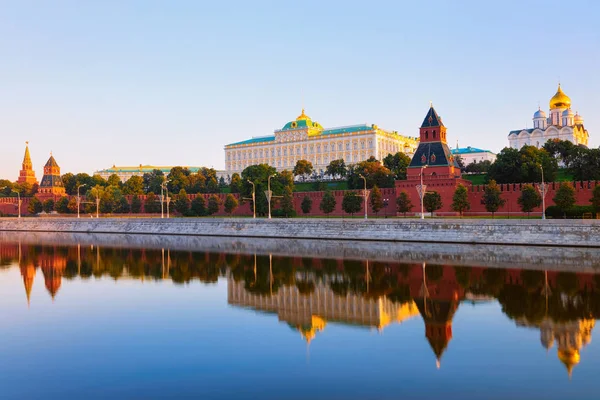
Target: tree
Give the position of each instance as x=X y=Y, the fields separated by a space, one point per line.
x=376 y=199
x=136 y=204
x=236 y=183
x=35 y=206
x=460 y=162
x=259 y=174
x=214 y=202
x=460 y=200
x=48 y=206
x=403 y=203
x=327 y=202
x=62 y=205
x=565 y=197
x=584 y=164
x=432 y=201
x=492 y=197
x=182 y=202
x=478 y=167
x=73 y=204
x=303 y=167
x=287 y=202
x=529 y=199
x=351 y=203
x=230 y=204
x=153 y=180
x=595 y=200
x=397 y=163
x=374 y=173
x=523 y=166
x=562 y=150
x=151 y=204
x=198 y=207
x=133 y=185
x=336 y=169
x=178 y=178
x=306 y=205
x=114 y=180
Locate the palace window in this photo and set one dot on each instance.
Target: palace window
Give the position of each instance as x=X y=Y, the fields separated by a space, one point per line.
x=279 y=153
x=325 y=147
x=340 y=146
x=348 y=146
x=272 y=152
x=362 y=145
x=318 y=148
x=305 y=150
x=285 y=152
x=297 y=151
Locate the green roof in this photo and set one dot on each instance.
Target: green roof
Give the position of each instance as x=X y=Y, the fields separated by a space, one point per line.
x=260 y=139
x=143 y=168
x=347 y=129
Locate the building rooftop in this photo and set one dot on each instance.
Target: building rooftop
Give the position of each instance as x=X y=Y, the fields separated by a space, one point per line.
x=469 y=150
x=144 y=168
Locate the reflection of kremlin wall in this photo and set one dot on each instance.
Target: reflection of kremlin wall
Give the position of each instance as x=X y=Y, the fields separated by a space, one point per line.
x=308 y=312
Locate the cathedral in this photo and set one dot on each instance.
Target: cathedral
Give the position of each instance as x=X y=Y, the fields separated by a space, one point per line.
x=561 y=124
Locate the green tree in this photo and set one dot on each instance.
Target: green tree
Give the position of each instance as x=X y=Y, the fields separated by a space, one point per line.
x=432 y=201
x=562 y=150
x=492 y=197
x=373 y=171
x=35 y=206
x=523 y=165
x=198 y=207
x=376 y=199
x=337 y=169
x=73 y=204
x=136 y=204
x=209 y=176
x=403 y=203
x=231 y=204
x=114 y=180
x=306 y=205
x=178 y=178
x=584 y=164
x=529 y=199
x=49 y=206
x=287 y=202
x=565 y=197
x=460 y=200
x=595 y=200
x=214 y=202
x=259 y=174
x=62 y=205
x=478 y=167
x=327 y=203
x=236 y=183
x=152 y=203
x=134 y=185
x=182 y=202
x=303 y=168
x=397 y=163
x=153 y=180
x=69 y=182
x=351 y=203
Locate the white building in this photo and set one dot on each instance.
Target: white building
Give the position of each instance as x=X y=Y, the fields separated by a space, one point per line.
x=562 y=124
x=304 y=139
x=473 y=154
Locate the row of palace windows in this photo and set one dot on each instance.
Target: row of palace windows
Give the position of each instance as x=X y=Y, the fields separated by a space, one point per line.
x=305 y=150
x=318 y=160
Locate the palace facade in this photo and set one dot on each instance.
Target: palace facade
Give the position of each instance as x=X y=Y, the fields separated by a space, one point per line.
x=562 y=124
x=305 y=139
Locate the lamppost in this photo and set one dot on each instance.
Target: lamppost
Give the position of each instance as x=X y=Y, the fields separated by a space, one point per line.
x=385 y=204
x=162 y=199
x=78 y=198
x=98 y=206
x=421 y=189
x=253 y=198
x=364 y=193
x=269 y=194
x=543 y=193
x=18 y=200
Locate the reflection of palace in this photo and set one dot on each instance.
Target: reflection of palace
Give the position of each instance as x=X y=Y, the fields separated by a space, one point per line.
x=309 y=312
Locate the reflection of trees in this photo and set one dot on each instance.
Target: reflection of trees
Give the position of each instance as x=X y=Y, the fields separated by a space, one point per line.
x=434 y=272
x=567 y=282
x=463 y=276
x=532 y=280
x=517 y=302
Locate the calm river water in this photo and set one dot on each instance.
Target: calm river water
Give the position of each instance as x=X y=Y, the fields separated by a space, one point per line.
x=89 y=321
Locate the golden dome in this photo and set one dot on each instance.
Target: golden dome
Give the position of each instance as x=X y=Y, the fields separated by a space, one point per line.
x=303 y=117
x=569 y=358
x=560 y=99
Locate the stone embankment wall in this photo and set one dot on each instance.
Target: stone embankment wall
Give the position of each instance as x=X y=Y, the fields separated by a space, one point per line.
x=577 y=233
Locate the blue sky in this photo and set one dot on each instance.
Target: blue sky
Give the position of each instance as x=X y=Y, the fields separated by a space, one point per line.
x=170 y=83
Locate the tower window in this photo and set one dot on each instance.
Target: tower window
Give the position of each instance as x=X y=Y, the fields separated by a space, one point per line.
x=434 y=134
x=426 y=135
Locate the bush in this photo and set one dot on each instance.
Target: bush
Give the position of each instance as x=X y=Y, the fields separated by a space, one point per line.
x=572 y=212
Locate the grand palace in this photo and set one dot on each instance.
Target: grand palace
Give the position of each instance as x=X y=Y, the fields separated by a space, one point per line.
x=305 y=139
x=562 y=124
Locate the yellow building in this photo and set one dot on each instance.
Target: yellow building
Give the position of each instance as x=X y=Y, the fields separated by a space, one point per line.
x=305 y=139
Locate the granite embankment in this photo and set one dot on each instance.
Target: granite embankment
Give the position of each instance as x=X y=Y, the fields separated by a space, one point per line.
x=579 y=233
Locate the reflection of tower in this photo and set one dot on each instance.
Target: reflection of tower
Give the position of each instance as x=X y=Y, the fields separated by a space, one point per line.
x=53 y=267
x=28 y=274
x=437 y=307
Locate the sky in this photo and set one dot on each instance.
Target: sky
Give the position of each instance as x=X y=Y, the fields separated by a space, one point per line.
x=134 y=82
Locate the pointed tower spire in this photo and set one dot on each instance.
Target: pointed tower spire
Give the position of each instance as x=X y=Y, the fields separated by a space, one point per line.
x=27 y=175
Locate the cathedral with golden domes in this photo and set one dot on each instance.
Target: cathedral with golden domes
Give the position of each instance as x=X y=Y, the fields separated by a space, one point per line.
x=561 y=124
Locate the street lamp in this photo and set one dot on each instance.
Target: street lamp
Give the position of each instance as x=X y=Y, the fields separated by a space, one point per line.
x=18 y=200
x=162 y=199
x=385 y=204
x=253 y=198
x=78 y=198
x=421 y=190
x=269 y=194
x=364 y=193
x=543 y=193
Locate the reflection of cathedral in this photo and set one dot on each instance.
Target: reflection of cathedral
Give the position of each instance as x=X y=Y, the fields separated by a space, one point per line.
x=309 y=312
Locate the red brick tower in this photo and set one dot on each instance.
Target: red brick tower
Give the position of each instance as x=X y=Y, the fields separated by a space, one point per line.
x=27 y=174
x=51 y=186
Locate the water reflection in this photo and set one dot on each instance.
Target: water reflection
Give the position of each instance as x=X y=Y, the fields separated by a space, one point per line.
x=308 y=294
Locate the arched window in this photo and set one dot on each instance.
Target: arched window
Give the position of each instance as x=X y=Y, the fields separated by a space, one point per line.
x=426 y=135
x=434 y=134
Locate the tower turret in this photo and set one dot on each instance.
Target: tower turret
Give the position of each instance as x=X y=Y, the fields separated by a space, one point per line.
x=27 y=174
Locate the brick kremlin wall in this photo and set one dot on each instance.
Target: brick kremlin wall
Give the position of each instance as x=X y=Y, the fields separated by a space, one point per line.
x=510 y=192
